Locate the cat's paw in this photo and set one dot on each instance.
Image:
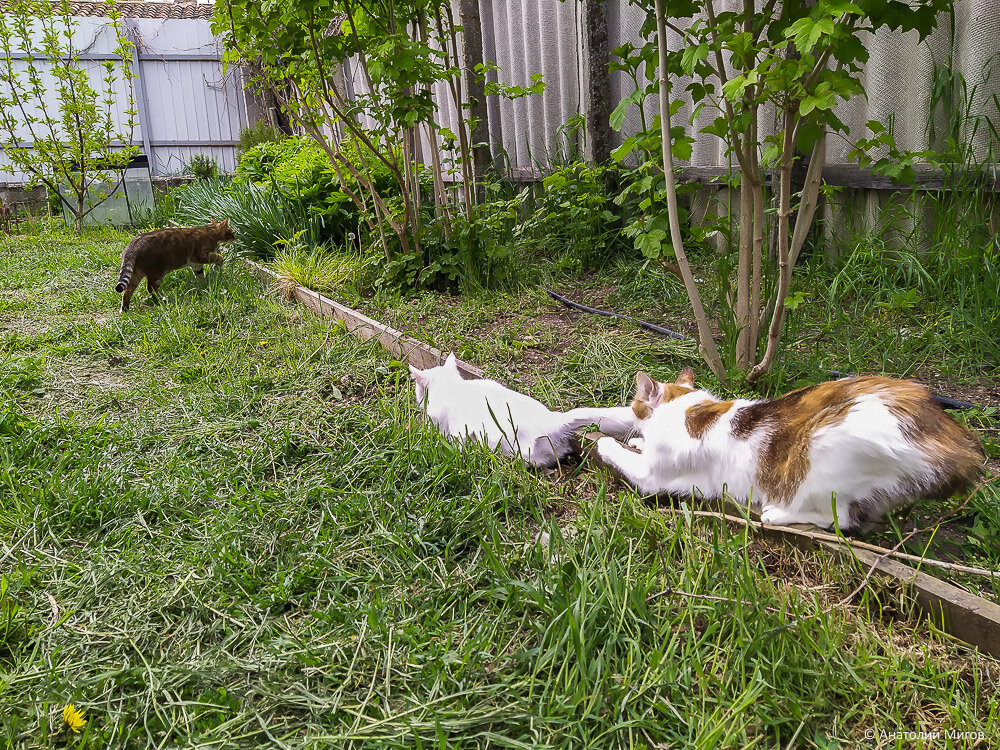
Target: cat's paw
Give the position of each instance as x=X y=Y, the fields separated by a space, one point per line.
x=606 y=446
x=637 y=443
x=774 y=515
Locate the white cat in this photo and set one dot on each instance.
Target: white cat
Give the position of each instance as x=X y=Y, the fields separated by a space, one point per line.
x=873 y=442
x=506 y=420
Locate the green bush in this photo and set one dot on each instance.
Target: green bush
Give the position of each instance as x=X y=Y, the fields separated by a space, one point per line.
x=300 y=165
x=202 y=167
x=296 y=166
x=262 y=217
x=573 y=220
x=260 y=132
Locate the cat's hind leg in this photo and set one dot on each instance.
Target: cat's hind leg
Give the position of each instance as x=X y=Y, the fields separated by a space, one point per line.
x=199 y=270
x=130 y=290
x=780 y=515
x=153 y=285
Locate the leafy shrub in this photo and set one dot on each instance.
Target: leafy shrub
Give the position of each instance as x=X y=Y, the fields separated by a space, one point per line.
x=202 y=167
x=299 y=163
x=260 y=132
x=296 y=166
x=262 y=217
x=296 y=174
x=574 y=220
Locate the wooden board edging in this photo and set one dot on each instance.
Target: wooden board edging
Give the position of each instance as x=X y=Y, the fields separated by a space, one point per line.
x=403 y=347
x=962 y=614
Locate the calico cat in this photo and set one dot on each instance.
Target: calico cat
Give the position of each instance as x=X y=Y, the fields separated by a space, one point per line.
x=873 y=442
x=153 y=255
x=505 y=420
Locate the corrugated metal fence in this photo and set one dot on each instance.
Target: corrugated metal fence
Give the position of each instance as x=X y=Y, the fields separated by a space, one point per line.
x=548 y=36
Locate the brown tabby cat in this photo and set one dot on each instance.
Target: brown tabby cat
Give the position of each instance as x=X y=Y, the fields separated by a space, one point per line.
x=153 y=255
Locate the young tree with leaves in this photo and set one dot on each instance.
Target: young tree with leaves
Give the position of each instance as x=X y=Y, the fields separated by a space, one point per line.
x=802 y=57
x=299 y=50
x=59 y=119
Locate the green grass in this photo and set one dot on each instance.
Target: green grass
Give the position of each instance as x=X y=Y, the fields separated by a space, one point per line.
x=567 y=359
x=224 y=524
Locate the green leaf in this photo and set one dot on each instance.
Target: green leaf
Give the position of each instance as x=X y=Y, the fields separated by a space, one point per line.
x=793 y=301
x=650 y=243
x=618 y=115
x=839 y=7
x=692 y=56
x=628 y=146
x=681 y=148
x=733 y=88
x=804 y=34
x=719 y=127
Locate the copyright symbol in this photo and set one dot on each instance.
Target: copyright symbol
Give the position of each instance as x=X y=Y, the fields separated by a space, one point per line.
x=869 y=734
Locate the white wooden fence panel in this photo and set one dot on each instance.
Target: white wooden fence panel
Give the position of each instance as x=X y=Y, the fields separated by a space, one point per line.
x=187 y=105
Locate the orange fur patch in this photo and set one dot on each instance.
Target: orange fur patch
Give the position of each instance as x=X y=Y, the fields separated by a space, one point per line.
x=643 y=404
x=789 y=423
x=953 y=450
x=699 y=418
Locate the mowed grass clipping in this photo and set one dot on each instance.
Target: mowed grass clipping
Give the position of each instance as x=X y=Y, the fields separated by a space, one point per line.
x=224 y=524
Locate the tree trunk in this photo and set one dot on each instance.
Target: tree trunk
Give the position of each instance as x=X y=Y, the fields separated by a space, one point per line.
x=706 y=343
x=784 y=267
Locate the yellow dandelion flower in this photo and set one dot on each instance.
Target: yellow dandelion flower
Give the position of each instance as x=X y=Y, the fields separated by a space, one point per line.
x=263 y=343
x=74 y=718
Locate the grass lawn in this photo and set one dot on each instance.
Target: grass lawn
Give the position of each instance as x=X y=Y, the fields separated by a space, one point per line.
x=223 y=524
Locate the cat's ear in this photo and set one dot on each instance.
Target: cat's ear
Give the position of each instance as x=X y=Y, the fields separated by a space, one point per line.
x=212 y=219
x=451 y=361
x=645 y=387
x=225 y=222
x=686 y=378
x=419 y=376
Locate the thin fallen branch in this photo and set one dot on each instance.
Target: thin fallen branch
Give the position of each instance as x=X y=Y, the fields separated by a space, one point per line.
x=822 y=536
x=708 y=598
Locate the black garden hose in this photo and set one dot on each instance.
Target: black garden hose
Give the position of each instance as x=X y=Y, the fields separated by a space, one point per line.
x=608 y=314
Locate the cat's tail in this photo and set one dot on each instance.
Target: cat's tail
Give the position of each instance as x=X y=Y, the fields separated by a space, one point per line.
x=128 y=266
x=617 y=421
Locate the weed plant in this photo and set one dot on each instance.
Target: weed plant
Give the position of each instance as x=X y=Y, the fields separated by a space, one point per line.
x=259 y=132
x=202 y=167
x=342 y=274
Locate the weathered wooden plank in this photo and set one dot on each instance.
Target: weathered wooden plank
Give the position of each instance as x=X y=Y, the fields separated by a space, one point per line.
x=401 y=346
x=839 y=175
x=853 y=176
x=962 y=614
